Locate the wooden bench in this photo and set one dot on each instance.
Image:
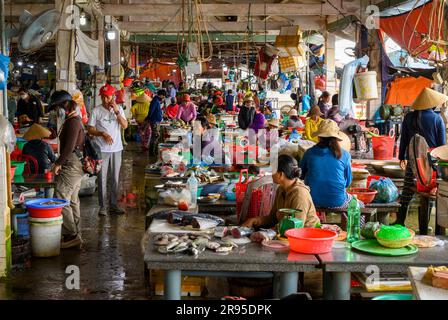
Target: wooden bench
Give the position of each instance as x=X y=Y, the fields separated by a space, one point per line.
x=368 y=213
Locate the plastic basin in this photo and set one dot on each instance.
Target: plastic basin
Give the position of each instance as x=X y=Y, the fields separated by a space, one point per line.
x=13 y=169
x=310 y=240
x=37 y=209
x=363 y=194
x=21 y=143
x=395 y=296
x=20 y=167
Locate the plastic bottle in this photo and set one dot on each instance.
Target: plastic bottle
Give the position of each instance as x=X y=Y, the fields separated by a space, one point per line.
x=353 y=223
x=193 y=186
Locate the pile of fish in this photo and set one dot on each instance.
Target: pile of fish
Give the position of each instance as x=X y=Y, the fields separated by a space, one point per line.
x=199 y=221
x=191 y=244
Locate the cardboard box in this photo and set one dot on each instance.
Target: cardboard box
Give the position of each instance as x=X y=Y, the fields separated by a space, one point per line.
x=288 y=64
x=290 y=31
x=289 y=46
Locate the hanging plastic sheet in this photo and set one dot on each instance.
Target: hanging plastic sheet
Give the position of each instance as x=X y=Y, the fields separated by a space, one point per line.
x=7 y=134
x=346 y=104
x=88 y=50
x=4 y=63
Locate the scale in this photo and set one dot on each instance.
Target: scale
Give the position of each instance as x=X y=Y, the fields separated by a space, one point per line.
x=289 y=221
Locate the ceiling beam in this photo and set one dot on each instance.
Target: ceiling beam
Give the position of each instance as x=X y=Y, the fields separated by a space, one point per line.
x=307 y=23
x=276 y=9
x=34 y=8
x=229 y=38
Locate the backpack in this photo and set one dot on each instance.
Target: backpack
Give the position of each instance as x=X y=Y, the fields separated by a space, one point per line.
x=90 y=158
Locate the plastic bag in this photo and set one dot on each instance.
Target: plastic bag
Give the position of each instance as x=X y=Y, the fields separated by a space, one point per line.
x=8 y=135
x=387 y=191
x=172 y=197
x=4 y=68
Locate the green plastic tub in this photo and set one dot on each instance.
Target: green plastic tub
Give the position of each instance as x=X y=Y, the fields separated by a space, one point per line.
x=20 y=144
x=20 y=167
x=395 y=296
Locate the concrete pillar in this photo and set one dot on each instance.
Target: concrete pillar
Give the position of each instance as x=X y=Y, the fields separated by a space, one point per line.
x=330 y=44
x=65 y=48
x=374 y=65
x=115 y=60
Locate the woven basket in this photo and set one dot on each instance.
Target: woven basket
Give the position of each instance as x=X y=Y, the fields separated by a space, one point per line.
x=395 y=244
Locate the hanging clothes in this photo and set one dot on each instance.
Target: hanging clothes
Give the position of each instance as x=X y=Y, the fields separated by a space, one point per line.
x=405 y=90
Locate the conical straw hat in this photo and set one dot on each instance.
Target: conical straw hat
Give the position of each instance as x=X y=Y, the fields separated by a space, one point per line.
x=440 y=153
x=329 y=129
x=429 y=99
x=36 y=131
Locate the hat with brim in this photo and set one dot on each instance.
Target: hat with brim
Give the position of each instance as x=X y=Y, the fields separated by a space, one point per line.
x=329 y=129
x=440 y=153
x=143 y=98
x=36 y=131
x=249 y=98
x=293 y=112
x=274 y=123
x=107 y=90
x=429 y=99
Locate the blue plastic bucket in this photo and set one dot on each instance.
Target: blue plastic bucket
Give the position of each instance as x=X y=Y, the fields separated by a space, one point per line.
x=21 y=225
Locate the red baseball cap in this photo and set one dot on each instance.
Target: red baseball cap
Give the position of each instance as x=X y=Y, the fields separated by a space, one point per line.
x=186 y=98
x=219 y=100
x=107 y=90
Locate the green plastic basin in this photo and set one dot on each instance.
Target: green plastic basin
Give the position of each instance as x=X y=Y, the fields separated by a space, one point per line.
x=395 y=296
x=20 y=167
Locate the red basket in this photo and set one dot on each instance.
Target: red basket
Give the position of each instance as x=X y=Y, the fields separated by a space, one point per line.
x=45 y=213
x=240 y=191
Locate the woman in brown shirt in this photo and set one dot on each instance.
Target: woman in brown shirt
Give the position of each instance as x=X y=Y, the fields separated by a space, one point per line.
x=68 y=167
x=291 y=194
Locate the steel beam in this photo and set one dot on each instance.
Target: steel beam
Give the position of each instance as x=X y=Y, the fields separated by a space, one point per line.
x=150 y=38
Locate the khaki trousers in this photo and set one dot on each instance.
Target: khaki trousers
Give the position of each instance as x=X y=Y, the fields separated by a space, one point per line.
x=68 y=183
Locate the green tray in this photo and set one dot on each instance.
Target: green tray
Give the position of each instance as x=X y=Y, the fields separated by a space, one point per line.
x=373 y=247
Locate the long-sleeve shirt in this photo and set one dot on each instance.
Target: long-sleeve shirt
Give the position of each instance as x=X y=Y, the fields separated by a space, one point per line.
x=32 y=108
x=42 y=152
x=430 y=126
x=140 y=111
x=297 y=197
x=258 y=122
x=327 y=176
x=155 y=111
x=312 y=126
x=171 y=111
x=72 y=136
x=187 y=112
x=245 y=117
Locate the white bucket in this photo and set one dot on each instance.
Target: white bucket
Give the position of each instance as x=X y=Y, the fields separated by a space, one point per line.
x=366 y=85
x=45 y=236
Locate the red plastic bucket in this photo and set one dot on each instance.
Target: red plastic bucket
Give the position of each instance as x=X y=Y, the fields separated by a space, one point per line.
x=383 y=146
x=310 y=240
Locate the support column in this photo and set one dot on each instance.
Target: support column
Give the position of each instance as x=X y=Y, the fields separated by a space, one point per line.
x=375 y=65
x=65 y=48
x=115 y=61
x=330 y=74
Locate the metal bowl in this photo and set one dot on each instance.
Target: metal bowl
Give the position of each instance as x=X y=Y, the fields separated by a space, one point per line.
x=394 y=171
x=378 y=166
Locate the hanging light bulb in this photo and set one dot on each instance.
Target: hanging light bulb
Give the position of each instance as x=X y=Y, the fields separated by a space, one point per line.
x=82 y=18
x=111 y=35
x=20 y=63
x=45 y=70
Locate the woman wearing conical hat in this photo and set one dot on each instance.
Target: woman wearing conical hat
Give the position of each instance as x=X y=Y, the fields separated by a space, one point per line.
x=38 y=148
x=427 y=123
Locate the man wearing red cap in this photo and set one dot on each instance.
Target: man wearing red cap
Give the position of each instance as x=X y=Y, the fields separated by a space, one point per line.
x=105 y=124
x=187 y=110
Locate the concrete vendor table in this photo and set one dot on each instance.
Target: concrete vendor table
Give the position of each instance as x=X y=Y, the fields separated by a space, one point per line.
x=220 y=207
x=250 y=260
x=34 y=181
x=423 y=291
x=340 y=262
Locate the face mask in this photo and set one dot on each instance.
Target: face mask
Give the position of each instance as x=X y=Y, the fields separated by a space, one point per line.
x=23 y=96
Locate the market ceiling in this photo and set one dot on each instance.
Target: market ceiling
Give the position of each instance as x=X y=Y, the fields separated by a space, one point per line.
x=226 y=16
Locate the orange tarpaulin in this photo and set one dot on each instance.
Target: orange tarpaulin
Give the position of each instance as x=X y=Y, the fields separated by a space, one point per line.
x=405 y=90
x=162 y=71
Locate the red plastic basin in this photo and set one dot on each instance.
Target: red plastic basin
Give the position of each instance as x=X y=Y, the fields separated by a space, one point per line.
x=13 y=169
x=44 y=213
x=310 y=240
x=365 y=195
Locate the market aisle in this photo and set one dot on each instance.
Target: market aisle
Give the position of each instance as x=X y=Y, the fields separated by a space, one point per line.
x=110 y=263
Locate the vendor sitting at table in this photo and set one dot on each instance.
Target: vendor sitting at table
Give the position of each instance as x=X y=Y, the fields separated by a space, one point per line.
x=294 y=120
x=172 y=109
x=292 y=193
x=38 y=149
x=187 y=110
x=326 y=168
x=29 y=108
x=312 y=123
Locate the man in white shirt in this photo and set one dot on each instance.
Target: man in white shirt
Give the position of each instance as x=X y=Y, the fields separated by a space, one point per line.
x=105 y=124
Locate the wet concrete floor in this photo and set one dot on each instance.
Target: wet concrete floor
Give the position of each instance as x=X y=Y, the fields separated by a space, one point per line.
x=110 y=261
